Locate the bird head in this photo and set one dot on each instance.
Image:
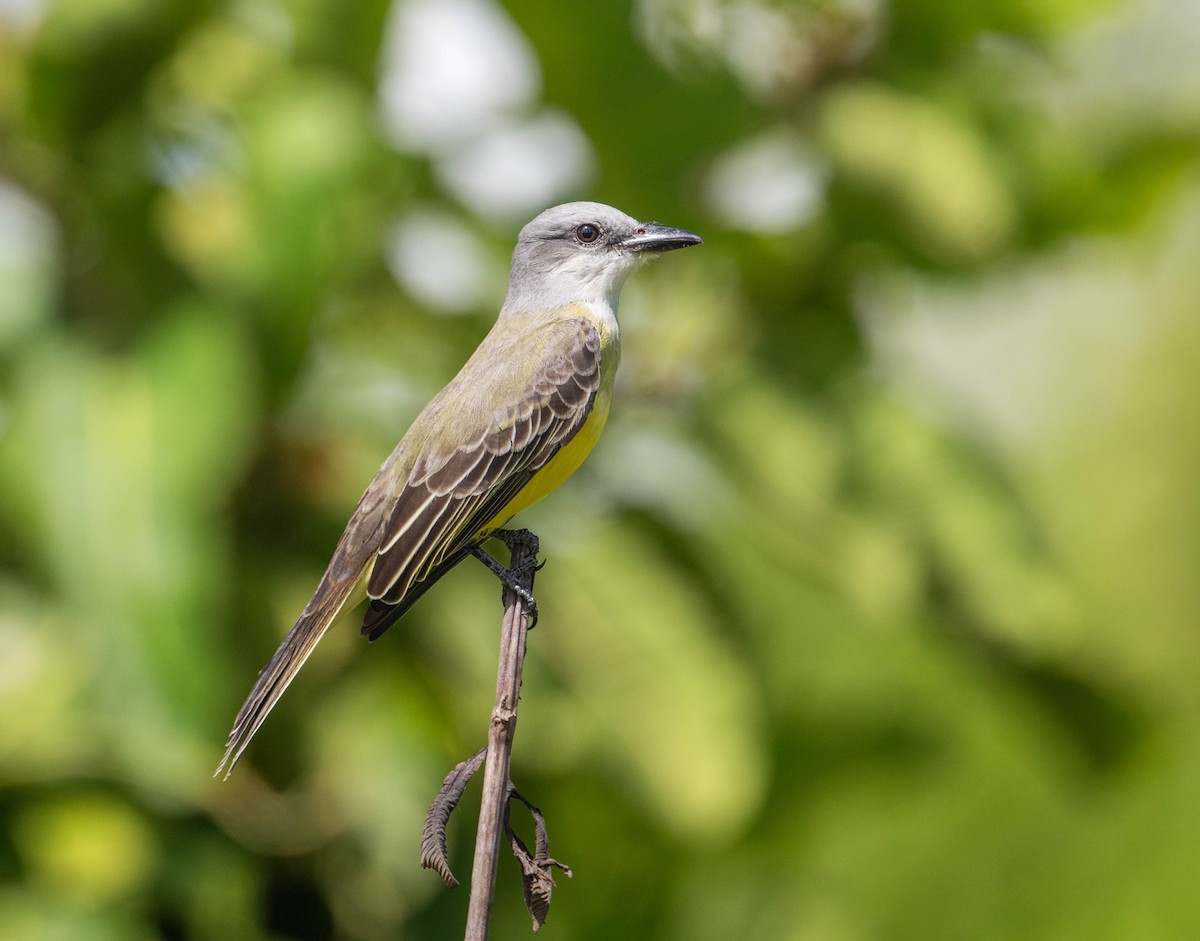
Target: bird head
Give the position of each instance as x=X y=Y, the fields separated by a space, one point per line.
x=582 y=252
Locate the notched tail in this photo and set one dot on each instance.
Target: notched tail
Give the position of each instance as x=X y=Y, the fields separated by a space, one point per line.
x=328 y=600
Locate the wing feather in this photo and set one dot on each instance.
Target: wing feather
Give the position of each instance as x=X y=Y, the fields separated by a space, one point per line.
x=516 y=402
x=473 y=482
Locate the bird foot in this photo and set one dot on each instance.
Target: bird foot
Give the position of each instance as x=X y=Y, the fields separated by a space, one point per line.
x=510 y=578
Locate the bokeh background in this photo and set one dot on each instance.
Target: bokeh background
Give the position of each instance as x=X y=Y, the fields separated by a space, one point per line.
x=875 y=614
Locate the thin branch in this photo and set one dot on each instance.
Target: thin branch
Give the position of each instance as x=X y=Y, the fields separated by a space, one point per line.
x=523 y=546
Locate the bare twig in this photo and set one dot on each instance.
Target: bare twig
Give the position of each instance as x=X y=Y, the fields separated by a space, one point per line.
x=523 y=546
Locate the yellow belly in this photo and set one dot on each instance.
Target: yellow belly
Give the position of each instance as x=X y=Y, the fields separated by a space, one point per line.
x=559 y=467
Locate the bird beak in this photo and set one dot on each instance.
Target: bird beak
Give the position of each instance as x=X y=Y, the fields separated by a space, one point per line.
x=659 y=238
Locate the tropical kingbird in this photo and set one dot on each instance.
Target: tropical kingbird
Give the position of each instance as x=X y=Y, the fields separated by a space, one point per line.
x=516 y=421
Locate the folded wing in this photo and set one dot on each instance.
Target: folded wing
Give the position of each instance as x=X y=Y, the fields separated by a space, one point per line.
x=444 y=489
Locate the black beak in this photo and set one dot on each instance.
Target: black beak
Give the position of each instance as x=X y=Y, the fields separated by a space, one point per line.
x=650 y=237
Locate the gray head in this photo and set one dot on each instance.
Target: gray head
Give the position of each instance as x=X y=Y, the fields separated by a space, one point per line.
x=583 y=252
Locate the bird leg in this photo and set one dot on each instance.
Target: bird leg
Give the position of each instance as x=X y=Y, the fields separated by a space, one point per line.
x=509 y=578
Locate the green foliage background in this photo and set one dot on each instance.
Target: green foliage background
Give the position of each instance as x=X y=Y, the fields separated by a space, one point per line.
x=874 y=616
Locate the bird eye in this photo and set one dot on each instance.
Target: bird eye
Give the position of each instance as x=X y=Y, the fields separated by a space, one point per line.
x=587 y=232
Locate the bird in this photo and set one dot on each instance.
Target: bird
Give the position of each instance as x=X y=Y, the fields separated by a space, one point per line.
x=513 y=424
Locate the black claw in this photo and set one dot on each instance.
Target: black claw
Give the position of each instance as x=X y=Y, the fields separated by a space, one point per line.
x=510 y=579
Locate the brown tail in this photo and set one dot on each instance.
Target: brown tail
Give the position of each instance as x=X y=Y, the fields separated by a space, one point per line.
x=329 y=599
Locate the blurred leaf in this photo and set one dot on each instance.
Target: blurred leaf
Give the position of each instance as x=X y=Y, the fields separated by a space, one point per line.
x=91 y=849
x=873 y=615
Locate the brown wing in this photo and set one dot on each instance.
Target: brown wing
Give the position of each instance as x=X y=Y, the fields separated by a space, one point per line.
x=452 y=495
